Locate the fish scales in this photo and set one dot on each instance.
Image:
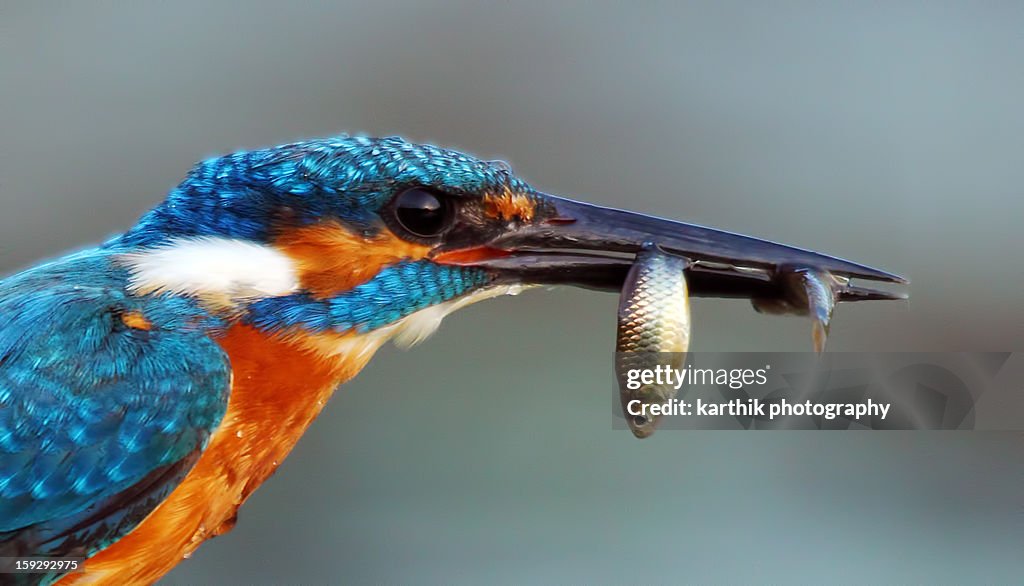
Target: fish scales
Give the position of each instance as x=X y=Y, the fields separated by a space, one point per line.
x=653 y=330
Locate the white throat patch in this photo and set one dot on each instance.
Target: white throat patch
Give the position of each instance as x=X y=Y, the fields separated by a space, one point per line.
x=216 y=269
x=419 y=326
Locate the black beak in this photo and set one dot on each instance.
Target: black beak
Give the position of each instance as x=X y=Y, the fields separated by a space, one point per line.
x=579 y=244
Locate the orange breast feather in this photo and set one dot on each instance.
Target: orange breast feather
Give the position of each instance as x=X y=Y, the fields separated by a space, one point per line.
x=278 y=387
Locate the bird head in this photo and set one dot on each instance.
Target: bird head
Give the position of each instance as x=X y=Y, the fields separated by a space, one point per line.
x=361 y=236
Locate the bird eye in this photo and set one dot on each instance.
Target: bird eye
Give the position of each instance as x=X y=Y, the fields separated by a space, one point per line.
x=422 y=212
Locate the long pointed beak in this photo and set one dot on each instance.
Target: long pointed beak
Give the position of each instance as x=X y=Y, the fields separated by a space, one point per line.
x=580 y=244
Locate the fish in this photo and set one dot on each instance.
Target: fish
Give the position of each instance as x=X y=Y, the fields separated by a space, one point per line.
x=808 y=292
x=653 y=330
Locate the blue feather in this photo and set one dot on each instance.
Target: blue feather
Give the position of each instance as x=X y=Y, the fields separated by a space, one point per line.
x=393 y=293
x=90 y=406
x=344 y=178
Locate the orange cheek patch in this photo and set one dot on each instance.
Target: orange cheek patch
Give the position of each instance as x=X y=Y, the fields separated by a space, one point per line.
x=330 y=259
x=509 y=205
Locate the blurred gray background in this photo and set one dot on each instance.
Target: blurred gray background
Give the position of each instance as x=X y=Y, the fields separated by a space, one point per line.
x=888 y=133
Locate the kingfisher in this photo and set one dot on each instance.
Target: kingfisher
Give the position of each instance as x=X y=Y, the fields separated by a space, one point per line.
x=150 y=384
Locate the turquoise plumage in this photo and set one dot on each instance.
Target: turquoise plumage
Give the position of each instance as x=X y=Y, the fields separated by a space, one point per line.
x=97 y=420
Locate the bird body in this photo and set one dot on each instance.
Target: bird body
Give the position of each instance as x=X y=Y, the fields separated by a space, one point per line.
x=278 y=390
x=109 y=400
x=150 y=385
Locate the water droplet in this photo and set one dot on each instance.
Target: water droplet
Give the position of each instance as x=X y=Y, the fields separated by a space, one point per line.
x=187 y=555
x=238 y=433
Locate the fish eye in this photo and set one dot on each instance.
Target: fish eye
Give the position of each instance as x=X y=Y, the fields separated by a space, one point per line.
x=639 y=420
x=422 y=213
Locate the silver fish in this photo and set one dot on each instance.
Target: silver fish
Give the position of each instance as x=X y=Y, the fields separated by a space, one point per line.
x=653 y=330
x=809 y=292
